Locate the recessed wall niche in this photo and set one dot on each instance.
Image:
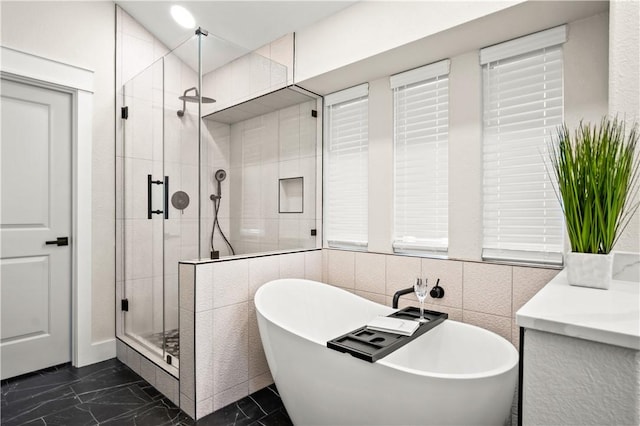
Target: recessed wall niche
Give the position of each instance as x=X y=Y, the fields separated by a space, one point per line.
x=291 y=195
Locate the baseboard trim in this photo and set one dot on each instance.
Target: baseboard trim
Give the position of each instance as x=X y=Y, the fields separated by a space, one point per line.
x=98 y=352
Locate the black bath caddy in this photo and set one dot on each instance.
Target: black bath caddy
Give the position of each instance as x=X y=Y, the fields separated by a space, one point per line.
x=372 y=345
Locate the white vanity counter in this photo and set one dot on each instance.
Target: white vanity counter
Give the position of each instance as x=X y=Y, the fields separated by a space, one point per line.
x=606 y=316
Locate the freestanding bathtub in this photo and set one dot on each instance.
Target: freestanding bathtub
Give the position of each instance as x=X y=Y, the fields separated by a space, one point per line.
x=455 y=374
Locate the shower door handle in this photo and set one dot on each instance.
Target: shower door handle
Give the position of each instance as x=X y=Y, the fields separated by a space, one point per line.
x=150 y=182
x=166 y=197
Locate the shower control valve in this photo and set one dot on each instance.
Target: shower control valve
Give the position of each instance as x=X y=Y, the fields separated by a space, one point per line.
x=437 y=292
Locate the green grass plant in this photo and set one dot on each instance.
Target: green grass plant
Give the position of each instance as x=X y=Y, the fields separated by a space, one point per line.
x=597 y=174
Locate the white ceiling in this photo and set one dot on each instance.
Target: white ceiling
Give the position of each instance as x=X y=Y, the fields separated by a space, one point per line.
x=238 y=26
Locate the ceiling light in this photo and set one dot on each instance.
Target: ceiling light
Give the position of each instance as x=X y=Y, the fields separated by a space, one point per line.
x=183 y=17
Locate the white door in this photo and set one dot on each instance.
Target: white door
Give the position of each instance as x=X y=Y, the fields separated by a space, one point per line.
x=35 y=208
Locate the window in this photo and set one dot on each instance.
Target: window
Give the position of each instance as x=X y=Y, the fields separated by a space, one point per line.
x=346 y=169
x=421 y=128
x=523 y=105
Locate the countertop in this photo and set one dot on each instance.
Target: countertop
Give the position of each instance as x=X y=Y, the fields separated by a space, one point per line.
x=608 y=316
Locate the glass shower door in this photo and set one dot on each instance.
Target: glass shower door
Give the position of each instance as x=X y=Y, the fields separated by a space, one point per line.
x=144 y=209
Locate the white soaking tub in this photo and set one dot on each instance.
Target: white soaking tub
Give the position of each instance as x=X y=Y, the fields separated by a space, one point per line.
x=455 y=374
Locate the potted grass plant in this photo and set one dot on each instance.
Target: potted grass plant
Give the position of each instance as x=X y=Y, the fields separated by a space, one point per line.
x=596 y=169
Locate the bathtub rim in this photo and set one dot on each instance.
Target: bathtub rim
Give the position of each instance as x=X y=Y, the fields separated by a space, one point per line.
x=511 y=363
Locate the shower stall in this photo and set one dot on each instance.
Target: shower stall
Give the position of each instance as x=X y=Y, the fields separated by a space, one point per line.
x=217 y=156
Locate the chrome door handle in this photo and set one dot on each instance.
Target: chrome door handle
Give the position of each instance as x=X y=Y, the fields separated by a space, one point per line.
x=60 y=241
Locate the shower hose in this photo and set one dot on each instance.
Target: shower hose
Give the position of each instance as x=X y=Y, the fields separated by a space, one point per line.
x=216 y=208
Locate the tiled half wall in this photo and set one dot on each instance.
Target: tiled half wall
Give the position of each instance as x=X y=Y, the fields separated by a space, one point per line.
x=221 y=353
x=221 y=356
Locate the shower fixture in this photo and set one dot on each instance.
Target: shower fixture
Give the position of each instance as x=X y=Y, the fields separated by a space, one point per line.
x=219 y=176
x=184 y=98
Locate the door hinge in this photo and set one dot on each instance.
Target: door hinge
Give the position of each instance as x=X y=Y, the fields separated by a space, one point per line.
x=124 y=305
x=314 y=113
x=124 y=112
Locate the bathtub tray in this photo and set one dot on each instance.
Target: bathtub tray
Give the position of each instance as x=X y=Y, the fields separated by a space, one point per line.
x=372 y=345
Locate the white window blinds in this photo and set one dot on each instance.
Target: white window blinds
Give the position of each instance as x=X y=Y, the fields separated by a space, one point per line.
x=346 y=167
x=523 y=105
x=421 y=126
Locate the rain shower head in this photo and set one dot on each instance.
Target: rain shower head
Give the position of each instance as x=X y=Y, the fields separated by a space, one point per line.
x=184 y=98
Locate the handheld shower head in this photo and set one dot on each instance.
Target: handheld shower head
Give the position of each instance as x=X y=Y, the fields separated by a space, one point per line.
x=220 y=175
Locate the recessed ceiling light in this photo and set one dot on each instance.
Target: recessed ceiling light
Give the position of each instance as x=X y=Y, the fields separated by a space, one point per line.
x=183 y=17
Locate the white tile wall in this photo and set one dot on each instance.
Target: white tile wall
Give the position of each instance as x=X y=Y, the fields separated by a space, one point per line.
x=230 y=346
x=187 y=287
x=164 y=382
x=370 y=272
x=450 y=274
x=262 y=270
x=204 y=288
x=527 y=282
x=402 y=272
x=229 y=359
x=487 y=288
x=262 y=150
x=487 y=295
x=187 y=354
x=341 y=268
x=230 y=395
x=204 y=323
x=230 y=282
x=498 y=324
x=292 y=265
x=257 y=361
x=313 y=265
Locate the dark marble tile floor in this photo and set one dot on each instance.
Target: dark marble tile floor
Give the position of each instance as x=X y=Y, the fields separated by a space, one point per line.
x=109 y=393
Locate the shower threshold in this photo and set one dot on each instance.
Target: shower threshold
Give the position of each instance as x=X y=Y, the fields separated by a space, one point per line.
x=152 y=343
x=171 y=340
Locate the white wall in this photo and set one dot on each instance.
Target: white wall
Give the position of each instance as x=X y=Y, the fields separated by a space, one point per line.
x=368 y=28
x=81 y=34
x=266 y=69
x=624 y=84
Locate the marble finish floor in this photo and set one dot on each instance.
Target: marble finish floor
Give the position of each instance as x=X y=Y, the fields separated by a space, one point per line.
x=109 y=393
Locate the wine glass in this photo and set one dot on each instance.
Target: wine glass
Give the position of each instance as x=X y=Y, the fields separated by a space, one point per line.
x=420 y=288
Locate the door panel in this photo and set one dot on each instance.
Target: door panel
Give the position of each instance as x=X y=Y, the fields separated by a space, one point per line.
x=35 y=208
x=25 y=202
x=25 y=298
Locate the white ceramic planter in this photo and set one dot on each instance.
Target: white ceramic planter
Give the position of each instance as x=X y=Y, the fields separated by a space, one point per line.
x=589 y=270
